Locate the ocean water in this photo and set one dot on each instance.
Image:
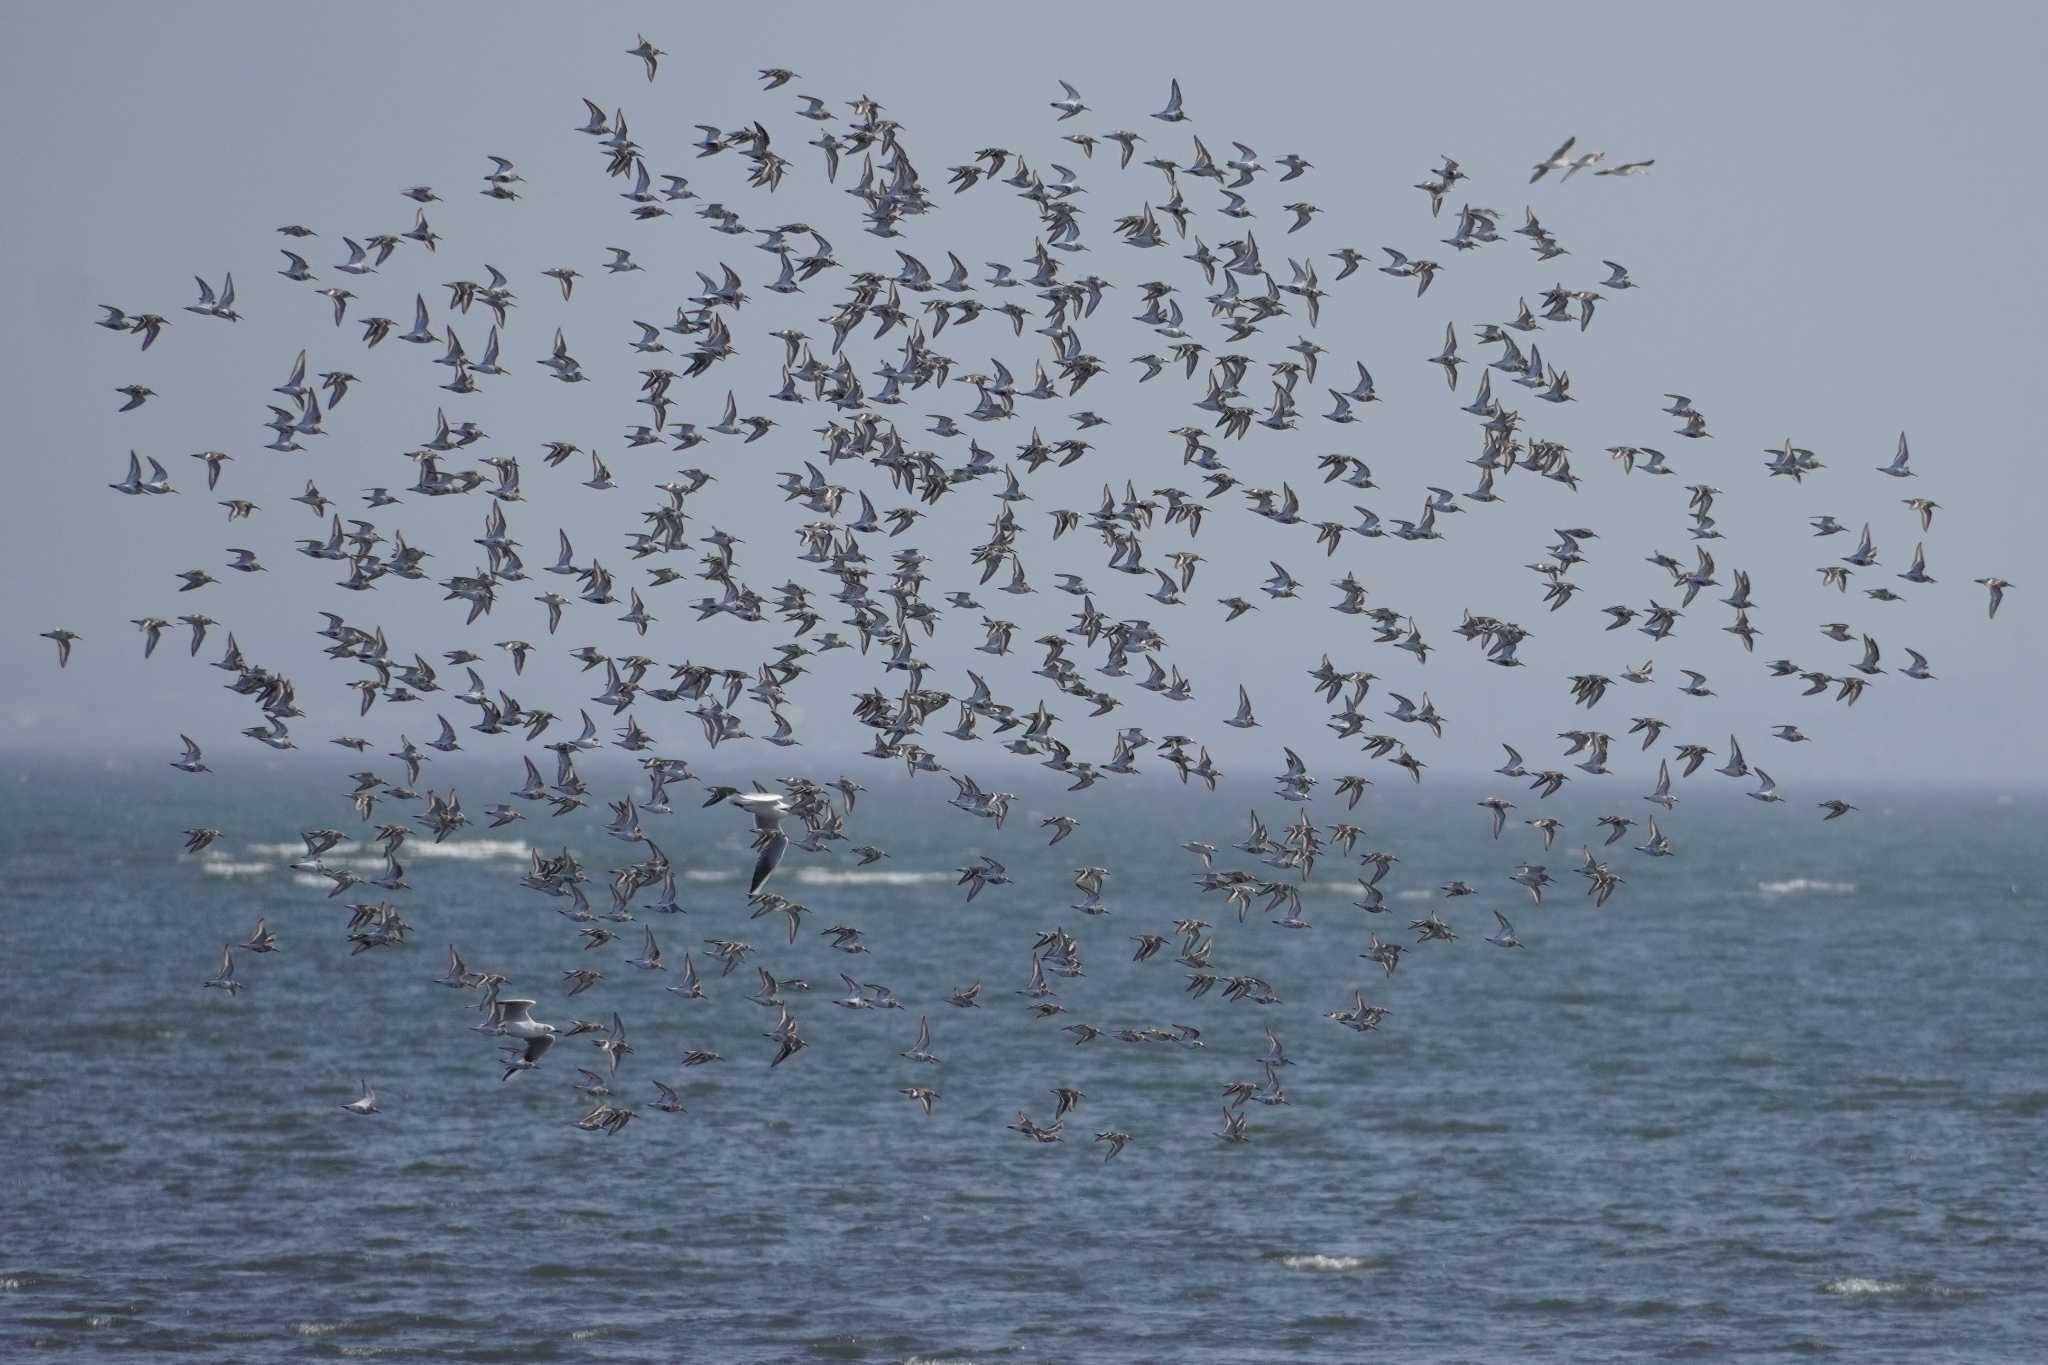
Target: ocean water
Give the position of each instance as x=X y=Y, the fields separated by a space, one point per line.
x=1784 y=1097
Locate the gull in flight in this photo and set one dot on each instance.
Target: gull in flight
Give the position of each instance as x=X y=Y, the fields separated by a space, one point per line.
x=767 y=810
x=535 y=1037
x=1559 y=160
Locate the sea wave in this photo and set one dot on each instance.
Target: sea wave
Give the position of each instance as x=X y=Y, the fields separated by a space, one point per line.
x=1316 y=1260
x=1793 y=886
x=1859 y=1286
x=861 y=876
x=475 y=850
x=1855 y=1286
x=465 y=850
x=228 y=867
x=291 y=848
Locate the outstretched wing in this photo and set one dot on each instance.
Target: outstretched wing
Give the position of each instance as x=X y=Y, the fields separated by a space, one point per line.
x=771 y=857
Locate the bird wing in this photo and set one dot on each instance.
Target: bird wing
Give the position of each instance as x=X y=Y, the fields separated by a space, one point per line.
x=771 y=857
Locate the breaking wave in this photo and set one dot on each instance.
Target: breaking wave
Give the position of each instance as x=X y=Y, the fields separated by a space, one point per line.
x=353 y=864
x=1315 y=1260
x=1854 y=1286
x=228 y=867
x=1346 y=889
x=293 y=848
x=1793 y=886
x=472 y=850
x=866 y=876
x=467 y=850
x=832 y=876
x=1859 y=1286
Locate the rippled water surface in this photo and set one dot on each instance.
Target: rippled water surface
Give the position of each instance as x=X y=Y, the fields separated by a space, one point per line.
x=1785 y=1096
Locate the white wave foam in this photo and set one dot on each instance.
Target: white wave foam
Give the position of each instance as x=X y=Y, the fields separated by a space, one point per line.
x=832 y=876
x=1856 y=1285
x=466 y=850
x=474 y=850
x=294 y=848
x=314 y=1329
x=366 y=864
x=228 y=867
x=1793 y=886
x=9 y=1283
x=698 y=874
x=1318 y=1261
x=1414 y=893
x=309 y=879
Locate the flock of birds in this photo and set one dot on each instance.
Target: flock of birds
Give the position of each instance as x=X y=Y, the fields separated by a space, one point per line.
x=877 y=349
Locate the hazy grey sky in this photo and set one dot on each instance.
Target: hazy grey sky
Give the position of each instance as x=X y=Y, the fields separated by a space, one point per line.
x=1836 y=244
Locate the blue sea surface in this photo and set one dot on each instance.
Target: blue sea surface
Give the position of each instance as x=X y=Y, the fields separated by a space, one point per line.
x=1784 y=1097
